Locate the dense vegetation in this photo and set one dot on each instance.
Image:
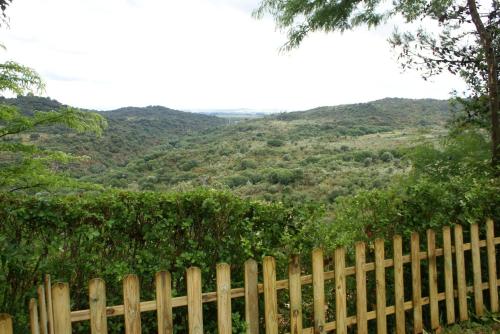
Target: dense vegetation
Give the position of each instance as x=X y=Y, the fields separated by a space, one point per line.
x=112 y=234
x=311 y=155
x=326 y=179
x=131 y=132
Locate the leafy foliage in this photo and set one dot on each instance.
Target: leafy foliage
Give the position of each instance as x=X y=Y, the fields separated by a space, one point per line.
x=26 y=166
x=112 y=234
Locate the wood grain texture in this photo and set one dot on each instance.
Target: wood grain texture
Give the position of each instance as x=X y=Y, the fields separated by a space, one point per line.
x=34 y=324
x=361 y=302
x=6 y=326
x=131 y=303
x=270 y=295
x=163 y=284
x=318 y=276
x=416 y=284
x=492 y=265
x=433 y=284
x=380 y=286
x=295 y=288
x=224 y=322
x=61 y=308
x=48 y=300
x=97 y=305
x=42 y=309
x=251 y=297
x=448 y=276
x=340 y=291
x=476 y=269
x=399 y=296
x=461 y=282
x=195 y=309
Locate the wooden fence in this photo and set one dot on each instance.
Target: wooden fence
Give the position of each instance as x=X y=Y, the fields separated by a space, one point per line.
x=51 y=313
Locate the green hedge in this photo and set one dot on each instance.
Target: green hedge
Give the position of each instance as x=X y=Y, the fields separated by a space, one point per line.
x=111 y=234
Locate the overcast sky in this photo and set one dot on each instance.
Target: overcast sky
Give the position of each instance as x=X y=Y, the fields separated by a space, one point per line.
x=199 y=54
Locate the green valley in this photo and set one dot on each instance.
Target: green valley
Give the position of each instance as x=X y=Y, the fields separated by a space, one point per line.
x=312 y=155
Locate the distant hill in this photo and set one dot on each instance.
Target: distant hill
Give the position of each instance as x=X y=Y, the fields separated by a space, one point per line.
x=377 y=116
x=132 y=131
x=317 y=154
x=309 y=155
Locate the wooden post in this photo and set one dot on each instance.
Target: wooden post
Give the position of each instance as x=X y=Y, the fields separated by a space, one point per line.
x=476 y=269
x=61 y=308
x=448 y=276
x=34 y=324
x=433 y=284
x=416 y=284
x=340 y=291
x=48 y=299
x=6 y=324
x=492 y=265
x=399 y=295
x=318 y=274
x=251 y=297
x=42 y=309
x=461 y=283
x=131 y=303
x=97 y=305
x=361 y=302
x=380 y=286
x=163 y=284
x=270 y=295
x=194 y=295
x=295 y=288
x=224 y=298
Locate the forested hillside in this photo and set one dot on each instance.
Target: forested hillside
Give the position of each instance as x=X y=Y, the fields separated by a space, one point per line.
x=131 y=131
x=318 y=154
x=311 y=155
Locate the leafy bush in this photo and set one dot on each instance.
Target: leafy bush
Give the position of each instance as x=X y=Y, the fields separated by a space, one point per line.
x=111 y=234
x=275 y=142
x=284 y=176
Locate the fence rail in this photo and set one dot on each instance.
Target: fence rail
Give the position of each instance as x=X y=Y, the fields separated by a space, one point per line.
x=51 y=314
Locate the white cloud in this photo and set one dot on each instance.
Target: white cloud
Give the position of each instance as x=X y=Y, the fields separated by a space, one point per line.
x=198 y=54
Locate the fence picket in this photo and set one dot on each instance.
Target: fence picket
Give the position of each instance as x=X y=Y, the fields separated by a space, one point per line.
x=340 y=291
x=270 y=295
x=318 y=276
x=131 y=303
x=34 y=324
x=42 y=309
x=492 y=265
x=48 y=299
x=361 y=304
x=416 y=284
x=380 y=286
x=194 y=297
x=164 y=303
x=224 y=298
x=448 y=276
x=399 y=295
x=97 y=305
x=295 y=288
x=433 y=286
x=461 y=283
x=6 y=326
x=476 y=269
x=251 y=297
x=61 y=308
x=163 y=285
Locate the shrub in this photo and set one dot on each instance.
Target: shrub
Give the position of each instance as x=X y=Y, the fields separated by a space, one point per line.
x=275 y=142
x=111 y=234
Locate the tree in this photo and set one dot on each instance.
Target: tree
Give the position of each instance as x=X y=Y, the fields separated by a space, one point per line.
x=468 y=42
x=26 y=166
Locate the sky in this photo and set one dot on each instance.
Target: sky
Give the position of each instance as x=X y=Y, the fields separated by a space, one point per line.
x=199 y=54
